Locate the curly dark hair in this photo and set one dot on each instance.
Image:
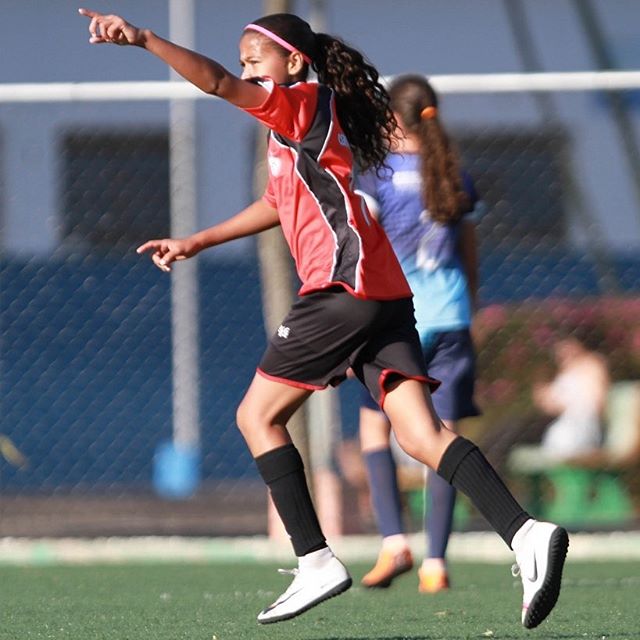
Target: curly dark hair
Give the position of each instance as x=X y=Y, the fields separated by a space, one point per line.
x=362 y=103
x=443 y=191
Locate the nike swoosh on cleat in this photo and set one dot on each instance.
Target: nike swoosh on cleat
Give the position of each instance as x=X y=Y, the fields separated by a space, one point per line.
x=277 y=603
x=337 y=590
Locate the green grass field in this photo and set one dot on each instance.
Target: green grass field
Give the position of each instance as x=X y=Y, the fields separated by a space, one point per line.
x=220 y=601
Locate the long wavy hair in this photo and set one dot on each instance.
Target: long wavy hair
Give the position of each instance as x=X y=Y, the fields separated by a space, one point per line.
x=443 y=191
x=362 y=103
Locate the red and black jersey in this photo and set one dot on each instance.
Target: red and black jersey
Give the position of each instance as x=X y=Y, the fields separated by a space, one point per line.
x=332 y=237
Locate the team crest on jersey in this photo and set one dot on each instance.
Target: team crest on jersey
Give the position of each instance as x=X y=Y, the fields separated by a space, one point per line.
x=275 y=165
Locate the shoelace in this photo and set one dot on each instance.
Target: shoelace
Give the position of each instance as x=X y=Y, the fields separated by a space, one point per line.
x=289 y=572
x=515 y=569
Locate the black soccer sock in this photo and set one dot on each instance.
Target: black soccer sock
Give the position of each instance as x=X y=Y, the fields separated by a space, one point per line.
x=464 y=466
x=283 y=472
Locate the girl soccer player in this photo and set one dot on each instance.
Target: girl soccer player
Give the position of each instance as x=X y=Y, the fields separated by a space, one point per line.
x=354 y=309
x=437 y=250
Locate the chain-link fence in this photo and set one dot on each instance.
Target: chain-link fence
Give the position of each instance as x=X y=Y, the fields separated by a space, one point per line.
x=86 y=377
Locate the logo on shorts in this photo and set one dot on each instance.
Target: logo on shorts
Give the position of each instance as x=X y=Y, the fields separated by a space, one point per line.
x=283 y=332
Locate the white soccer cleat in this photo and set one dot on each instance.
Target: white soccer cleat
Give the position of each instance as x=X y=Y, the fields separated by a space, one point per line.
x=310 y=587
x=539 y=562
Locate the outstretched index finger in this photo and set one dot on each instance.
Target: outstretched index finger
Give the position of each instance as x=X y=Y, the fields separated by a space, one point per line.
x=88 y=12
x=150 y=244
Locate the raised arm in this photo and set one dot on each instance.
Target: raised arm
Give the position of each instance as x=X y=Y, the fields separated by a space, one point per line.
x=206 y=74
x=257 y=217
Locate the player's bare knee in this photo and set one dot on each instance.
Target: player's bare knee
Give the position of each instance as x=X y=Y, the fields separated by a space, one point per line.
x=410 y=445
x=246 y=417
x=417 y=446
x=252 y=419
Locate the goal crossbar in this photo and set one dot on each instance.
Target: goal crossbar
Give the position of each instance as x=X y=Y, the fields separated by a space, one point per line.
x=455 y=83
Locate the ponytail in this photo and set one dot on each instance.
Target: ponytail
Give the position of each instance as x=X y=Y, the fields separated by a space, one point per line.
x=442 y=187
x=362 y=103
x=416 y=103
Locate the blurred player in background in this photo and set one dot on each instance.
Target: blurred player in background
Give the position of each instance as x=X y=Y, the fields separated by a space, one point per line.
x=577 y=396
x=423 y=203
x=354 y=309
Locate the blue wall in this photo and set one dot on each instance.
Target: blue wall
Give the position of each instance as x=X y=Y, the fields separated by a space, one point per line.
x=86 y=359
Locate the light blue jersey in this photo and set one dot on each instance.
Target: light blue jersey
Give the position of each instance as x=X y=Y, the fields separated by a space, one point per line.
x=427 y=250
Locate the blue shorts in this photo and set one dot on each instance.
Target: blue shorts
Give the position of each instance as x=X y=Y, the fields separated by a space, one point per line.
x=450 y=358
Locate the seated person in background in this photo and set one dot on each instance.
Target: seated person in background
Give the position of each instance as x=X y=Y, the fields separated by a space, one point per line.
x=577 y=396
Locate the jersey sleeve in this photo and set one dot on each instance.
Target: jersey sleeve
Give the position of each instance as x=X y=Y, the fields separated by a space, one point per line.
x=269 y=196
x=288 y=111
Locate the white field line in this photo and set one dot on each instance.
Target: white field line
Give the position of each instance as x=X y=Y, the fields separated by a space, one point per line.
x=470 y=547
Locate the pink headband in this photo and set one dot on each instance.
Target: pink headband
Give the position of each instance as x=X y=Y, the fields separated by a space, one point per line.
x=278 y=39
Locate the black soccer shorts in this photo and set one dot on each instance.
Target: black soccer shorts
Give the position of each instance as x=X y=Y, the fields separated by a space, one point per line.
x=328 y=331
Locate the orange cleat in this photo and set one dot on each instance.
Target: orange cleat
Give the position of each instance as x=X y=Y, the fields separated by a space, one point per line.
x=433 y=581
x=388 y=566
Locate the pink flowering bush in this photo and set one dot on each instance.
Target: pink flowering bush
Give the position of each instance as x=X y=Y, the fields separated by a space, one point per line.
x=514 y=344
